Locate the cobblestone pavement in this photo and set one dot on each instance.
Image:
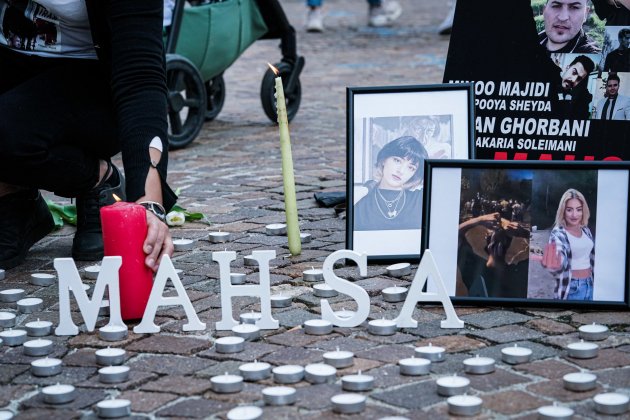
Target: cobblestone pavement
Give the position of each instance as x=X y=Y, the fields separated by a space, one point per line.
x=232 y=173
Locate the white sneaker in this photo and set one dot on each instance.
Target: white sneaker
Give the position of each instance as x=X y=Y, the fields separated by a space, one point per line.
x=446 y=26
x=385 y=14
x=315 y=20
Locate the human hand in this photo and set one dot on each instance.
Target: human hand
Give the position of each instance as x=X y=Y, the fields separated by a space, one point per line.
x=157 y=243
x=490 y=220
x=551 y=258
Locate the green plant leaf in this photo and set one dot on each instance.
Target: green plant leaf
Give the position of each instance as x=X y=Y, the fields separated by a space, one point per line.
x=61 y=214
x=190 y=217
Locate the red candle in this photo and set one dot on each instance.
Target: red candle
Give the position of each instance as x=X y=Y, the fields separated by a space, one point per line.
x=124 y=231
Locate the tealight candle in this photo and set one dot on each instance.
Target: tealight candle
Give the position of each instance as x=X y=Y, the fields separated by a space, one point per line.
x=319 y=373
x=110 y=356
x=464 y=405
x=13 y=338
x=46 y=367
x=431 y=352
x=113 y=408
x=229 y=344
x=276 y=229
x=399 y=270
x=84 y=286
x=2 y=274
x=250 y=317
x=452 y=385
x=479 y=365
x=555 y=412
x=58 y=394
x=11 y=295
x=288 y=374
x=593 y=332
x=382 y=327
x=248 y=332
x=42 y=279
x=6 y=415
x=39 y=347
x=583 y=350
x=314 y=274
x=237 y=278
x=245 y=412
x=414 y=366
x=183 y=244
x=113 y=374
x=112 y=333
x=279 y=395
x=348 y=403
x=226 y=384
x=324 y=291
x=249 y=261
x=515 y=355
x=219 y=237
x=306 y=238
x=344 y=314
x=7 y=319
x=38 y=328
x=318 y=327
x=358 y=382
x=104 y=309
x=281 y=301
x=394 y=294
x=339 y=358
x=29 y=305
x=255 y=371
x=611 y=403
x=579 y=381
x=91 y=272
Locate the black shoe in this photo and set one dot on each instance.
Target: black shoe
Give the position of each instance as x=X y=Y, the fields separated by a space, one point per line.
x=88 y=240
x=24 y=220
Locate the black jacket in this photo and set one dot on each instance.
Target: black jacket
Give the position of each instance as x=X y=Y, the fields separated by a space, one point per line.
x=581 y=43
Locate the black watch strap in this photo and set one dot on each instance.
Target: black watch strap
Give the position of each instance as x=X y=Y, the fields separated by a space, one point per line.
x=156 y=208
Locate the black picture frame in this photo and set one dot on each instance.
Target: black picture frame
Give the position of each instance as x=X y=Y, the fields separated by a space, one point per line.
x=488 y=259
x=442 y=116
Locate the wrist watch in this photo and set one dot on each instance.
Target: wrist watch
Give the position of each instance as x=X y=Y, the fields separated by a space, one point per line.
x=156 y=208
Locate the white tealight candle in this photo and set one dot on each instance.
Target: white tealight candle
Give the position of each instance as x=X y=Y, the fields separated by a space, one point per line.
x=464 y=405
x=593 y=332
x=250 y=317
x=516 y=355
x=319 y=373
x=110 y=356
x=13 y=338
x=2 y=274
x=11 y=295
x=6 y=415
x=113 y=374
x=317 y=327
x=42 y=279
x=281 y=301
x=555 y=412
x=579 y=381
x=7 y=319
x=58 y=394
x=479 y=365
x=113 y=408
x=276 y=229
x=452 y=385
x=183 y=244
x=39 y=347
x=237 y=278
x=279 y=395
x=382 y=327
x=582 y=350
x=288 y=374
x=249 y=261
x=29 y=305
x=229 y=344
x=248 y=332
x=394 y=294
x=358 y=382
x=344 y=314
x=399 y=270
x=414 y=366
x=339 y=358
x=226 y=384
x=611 y=403
x=91 y=272
x=431 y=352
x=219 y=237
x=324 y=291
x=46 y=367
x=306 y=237
x=255 y=371
x=112 y=333
x=38 y=328
x=246 y=412
x=314 y=274
x=348 y=403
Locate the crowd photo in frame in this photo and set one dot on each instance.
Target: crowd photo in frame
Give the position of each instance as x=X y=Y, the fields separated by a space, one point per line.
x=534 y=233
x=391 y=131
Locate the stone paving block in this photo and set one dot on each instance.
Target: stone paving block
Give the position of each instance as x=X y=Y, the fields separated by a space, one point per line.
x=453 y=363
x=555 y=390
x=10 y=392
x=136 y=378
x=253 y=350
x=146 y=402
x=9 y=372
x=68 y=375
x=297 y=338
x=48 y=413
x=389 y=376
x=178 y=384
x=550 y=369
x=360 y=364
x=498 y=379
x=453 y=343
x=605 y=318
x=293 y=317
x=398 y=338
x=330 y=343
x=549 y=326
x=86 y=357
x=539 y=351
x=84 y=398
x=508 y=333
x=495 y=319
x=15 y=355
x=430 y=329
x=413 y=396
x=197 y=408
x=607 y=358
x=375 y=285
x=92 y=340
x=615 y=378
x=229 y=366
x=167 y=344
x=387 y=353
x=251 y=393
x=294 y=356
x=169 y=364
x=317 y=397
x=512 y=402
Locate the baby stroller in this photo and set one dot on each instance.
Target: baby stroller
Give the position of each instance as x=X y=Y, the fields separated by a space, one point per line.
x=204 y=39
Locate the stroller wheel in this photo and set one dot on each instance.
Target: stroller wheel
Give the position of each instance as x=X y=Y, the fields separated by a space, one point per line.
x=215 y=96
x=186 y=101
x=268 y=91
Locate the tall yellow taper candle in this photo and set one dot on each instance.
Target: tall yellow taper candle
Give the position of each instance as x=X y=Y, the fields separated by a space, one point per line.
x=290 y=203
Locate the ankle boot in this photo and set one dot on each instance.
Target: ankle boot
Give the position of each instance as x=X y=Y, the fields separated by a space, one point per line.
x=24 y=220
x=88 y=239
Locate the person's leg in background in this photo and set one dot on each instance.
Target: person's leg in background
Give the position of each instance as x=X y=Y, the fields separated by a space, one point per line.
x=314 y=17
x=383 y=12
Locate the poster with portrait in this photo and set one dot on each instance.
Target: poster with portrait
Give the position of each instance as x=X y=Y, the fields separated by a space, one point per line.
x=391 y=132
x=529 y=232
x=551 y=77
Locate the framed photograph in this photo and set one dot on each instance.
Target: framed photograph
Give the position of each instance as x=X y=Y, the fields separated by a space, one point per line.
x=531 y=233
x=391 y=132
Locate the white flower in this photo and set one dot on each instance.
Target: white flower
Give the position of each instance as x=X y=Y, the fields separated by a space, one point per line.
x=175 y=218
